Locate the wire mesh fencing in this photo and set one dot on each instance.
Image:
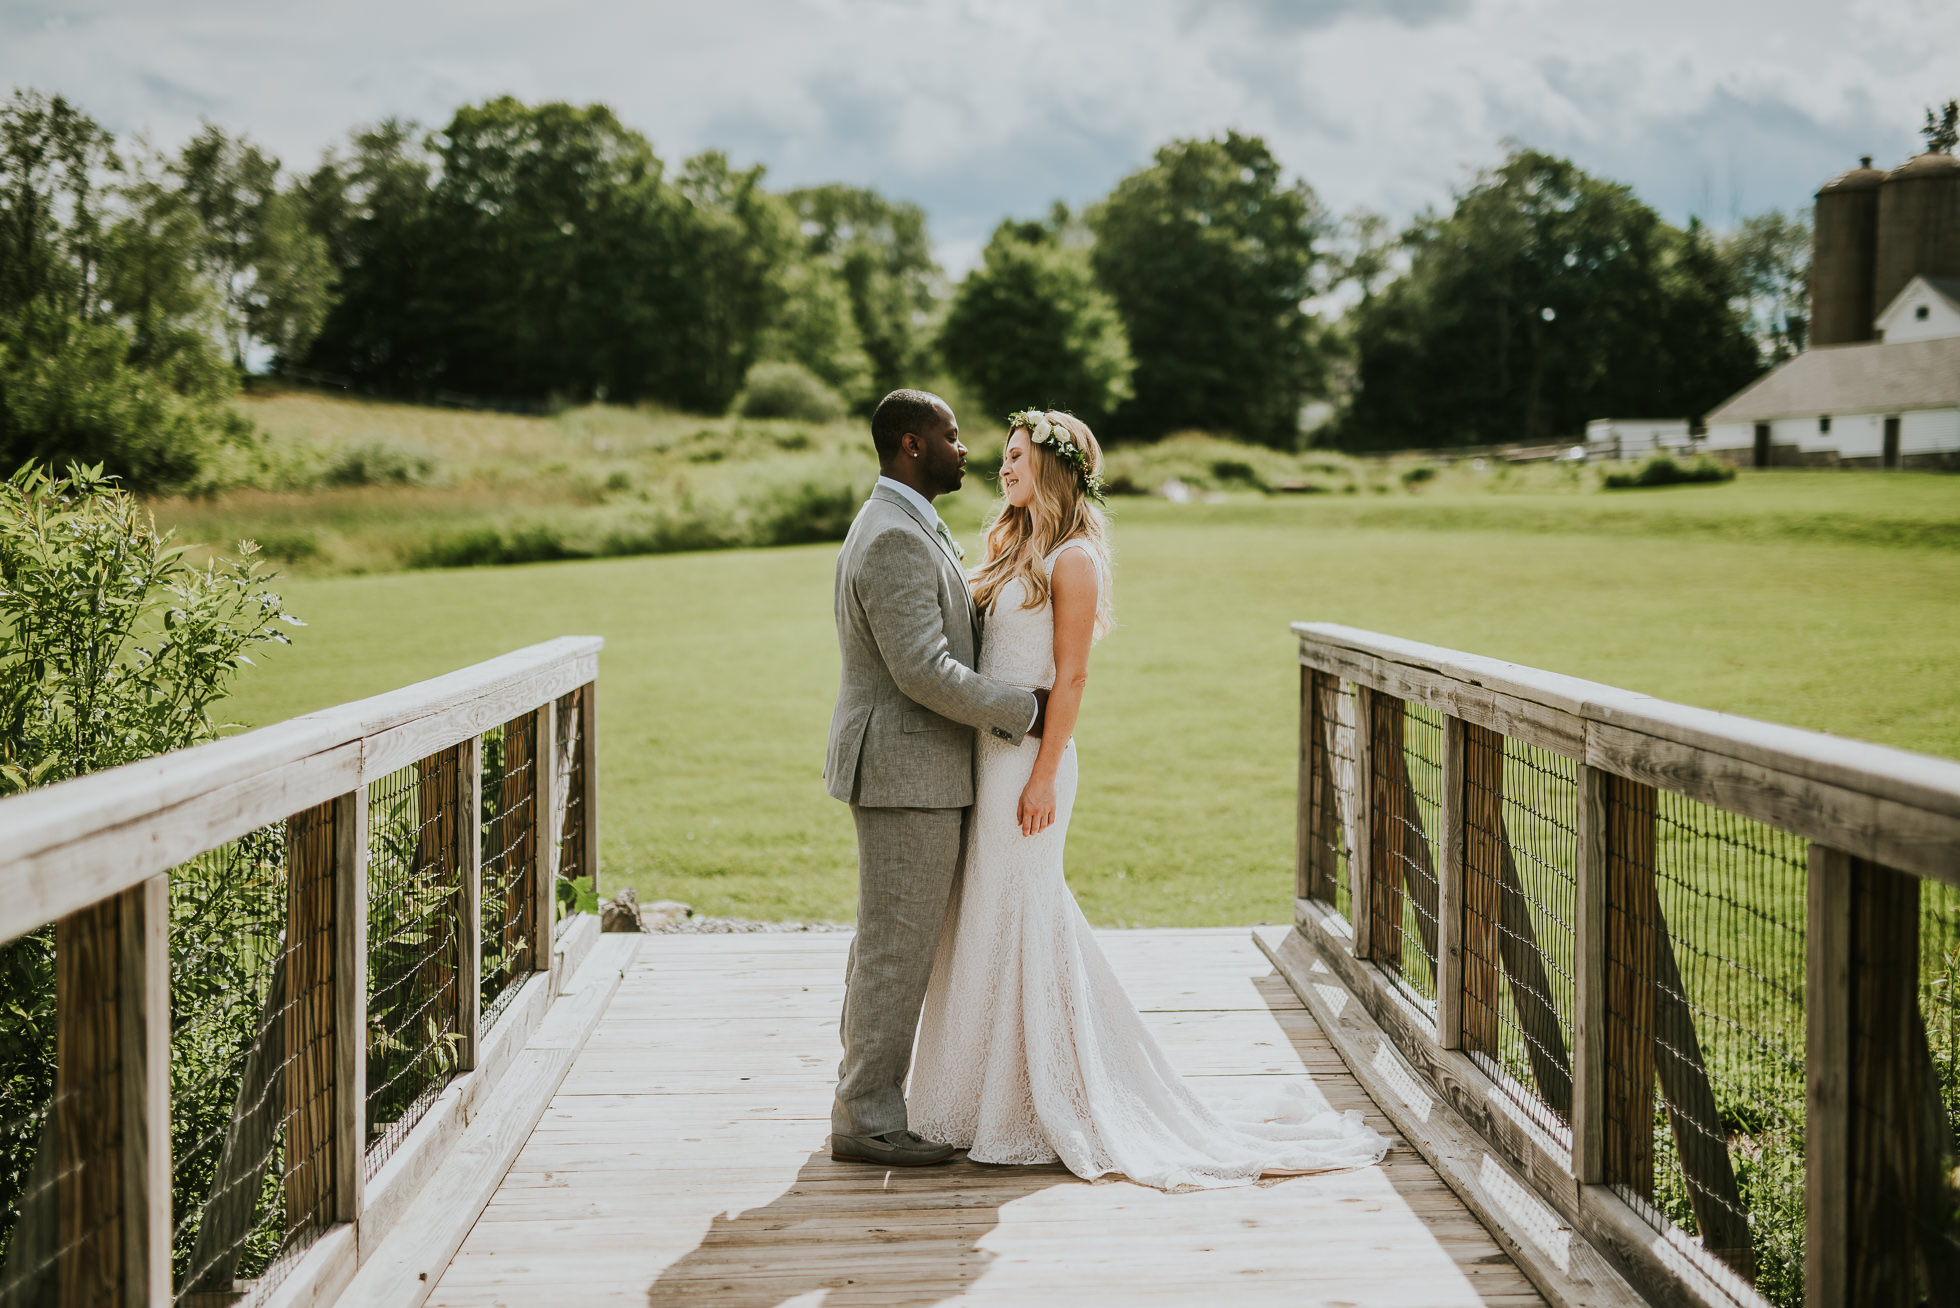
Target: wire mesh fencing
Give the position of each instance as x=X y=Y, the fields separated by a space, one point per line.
x=573 y=864
x=30 y=1243
x=507 y=810
x=1331 y=779
x=1939 y=1009
x=1705 y=1002
x=1406 y=761
x=251 y=1056
x=1520 y=875
x=415 y=856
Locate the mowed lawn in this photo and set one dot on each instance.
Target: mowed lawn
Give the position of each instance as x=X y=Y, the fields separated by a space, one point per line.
x=1829 y=601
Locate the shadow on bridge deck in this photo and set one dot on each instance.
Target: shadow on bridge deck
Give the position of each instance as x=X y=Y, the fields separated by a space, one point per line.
x=682 y=1162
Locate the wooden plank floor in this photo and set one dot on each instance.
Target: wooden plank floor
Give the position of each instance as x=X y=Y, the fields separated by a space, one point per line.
x=683 y=1162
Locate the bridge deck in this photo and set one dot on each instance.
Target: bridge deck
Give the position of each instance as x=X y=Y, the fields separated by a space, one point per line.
x=682 y=1162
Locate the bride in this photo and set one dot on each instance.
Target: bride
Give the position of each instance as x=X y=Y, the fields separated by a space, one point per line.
x=1029 y=1049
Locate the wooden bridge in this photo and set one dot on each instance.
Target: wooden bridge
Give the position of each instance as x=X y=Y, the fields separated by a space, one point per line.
x=1655 y=1004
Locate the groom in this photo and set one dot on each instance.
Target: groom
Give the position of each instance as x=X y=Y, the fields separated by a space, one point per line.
x=901 y=755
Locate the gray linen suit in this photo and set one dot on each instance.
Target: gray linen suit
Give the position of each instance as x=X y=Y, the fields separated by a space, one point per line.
x=901 y=755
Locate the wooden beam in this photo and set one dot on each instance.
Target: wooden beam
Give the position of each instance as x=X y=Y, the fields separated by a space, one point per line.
x=1827 y=1078
x=1589 y=981
x=1361 y=858
x=469 y=938
x=588 y=704
x=1306 y=859
x=1632 y=921
x=1482 y=801
x=1450 y=892
x=1915 y=780
x=349 y=945
x=307 y=1069
x=1387 y=821
x=145 y=1031
x=91 y=1085
x=544 y=861
x=1884 y=1102
x=78 y=842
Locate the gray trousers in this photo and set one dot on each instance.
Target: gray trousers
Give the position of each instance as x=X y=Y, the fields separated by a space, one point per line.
x=907 y=858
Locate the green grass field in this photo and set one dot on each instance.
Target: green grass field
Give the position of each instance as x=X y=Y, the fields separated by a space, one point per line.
x=1825 y=600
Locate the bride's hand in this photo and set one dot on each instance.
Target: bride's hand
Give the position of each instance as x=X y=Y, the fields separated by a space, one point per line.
x=1037 y=812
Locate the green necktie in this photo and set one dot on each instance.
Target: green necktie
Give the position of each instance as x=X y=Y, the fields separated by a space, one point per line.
x=952 y=545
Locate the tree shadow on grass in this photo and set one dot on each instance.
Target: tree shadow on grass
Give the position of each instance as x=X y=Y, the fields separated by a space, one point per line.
x=867 y=1235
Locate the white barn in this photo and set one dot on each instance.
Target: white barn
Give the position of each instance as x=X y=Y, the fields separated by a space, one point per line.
x=1891 y=403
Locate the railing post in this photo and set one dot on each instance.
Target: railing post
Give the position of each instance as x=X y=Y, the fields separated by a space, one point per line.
x=1589 y=982
x=543 y=869
x=469 y=938
x=1482 y=800
x=1388 y=819
x=1632 y=914
x=1450 y=892
x=350 y=905
x=1864 y=1071
x=1361 y=858
x=112 y=1099
x=1306 y=857
x=309 y=1071
x=588 y=736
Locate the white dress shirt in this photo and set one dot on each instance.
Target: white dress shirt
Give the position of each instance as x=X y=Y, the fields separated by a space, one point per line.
x=916 y=500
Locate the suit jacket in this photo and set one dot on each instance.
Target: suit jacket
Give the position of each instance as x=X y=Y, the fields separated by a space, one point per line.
x=908 y=699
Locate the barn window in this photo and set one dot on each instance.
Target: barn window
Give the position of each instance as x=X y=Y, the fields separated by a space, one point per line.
x=1922 y=312
x=1824 y=424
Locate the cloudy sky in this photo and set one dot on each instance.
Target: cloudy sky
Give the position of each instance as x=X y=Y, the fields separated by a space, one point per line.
x=978 y=109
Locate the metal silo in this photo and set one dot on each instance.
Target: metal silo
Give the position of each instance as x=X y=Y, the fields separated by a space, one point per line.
x=1918 y=224
x=1844 y=256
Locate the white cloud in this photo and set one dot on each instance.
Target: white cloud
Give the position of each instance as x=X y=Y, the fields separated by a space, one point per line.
x=981 y=108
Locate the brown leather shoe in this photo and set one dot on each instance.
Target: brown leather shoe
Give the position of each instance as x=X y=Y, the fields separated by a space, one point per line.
x=892 y=1149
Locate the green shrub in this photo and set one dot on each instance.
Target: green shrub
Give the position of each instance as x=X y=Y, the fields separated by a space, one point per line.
x=376 y=464
x=788 y=390
x=69 y=390
x=1663 y=470
x=112 y=648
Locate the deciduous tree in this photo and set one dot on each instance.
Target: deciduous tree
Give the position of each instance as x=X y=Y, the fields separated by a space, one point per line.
x=1209 y=253
x=1031 y=326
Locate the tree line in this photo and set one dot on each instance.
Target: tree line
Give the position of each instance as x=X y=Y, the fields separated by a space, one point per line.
x=548 y=253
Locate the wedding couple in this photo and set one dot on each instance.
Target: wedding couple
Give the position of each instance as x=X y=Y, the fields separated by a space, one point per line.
x=957 y=758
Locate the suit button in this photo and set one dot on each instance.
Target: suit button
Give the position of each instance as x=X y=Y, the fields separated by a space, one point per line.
x=1004 y=735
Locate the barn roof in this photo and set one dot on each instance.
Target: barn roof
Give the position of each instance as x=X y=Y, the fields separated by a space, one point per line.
x=1869 y=377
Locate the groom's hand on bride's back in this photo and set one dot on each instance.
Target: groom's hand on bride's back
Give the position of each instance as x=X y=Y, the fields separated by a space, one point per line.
x=1040 y=712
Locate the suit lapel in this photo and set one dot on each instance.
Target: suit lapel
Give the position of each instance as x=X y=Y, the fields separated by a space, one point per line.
x=939 y=543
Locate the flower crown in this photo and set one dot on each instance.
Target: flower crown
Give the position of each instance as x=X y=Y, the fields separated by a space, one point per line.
x=1061 y=443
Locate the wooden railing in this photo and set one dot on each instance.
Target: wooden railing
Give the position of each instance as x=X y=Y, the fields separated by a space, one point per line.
x=1673 y=968
x=266 y=961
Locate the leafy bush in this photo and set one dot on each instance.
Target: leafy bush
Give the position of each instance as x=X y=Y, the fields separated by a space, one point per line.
x=68 y=389
x=788 y=390
x=377 y=464
x=1203 y=462
x=112 y=648
x=1662 y=470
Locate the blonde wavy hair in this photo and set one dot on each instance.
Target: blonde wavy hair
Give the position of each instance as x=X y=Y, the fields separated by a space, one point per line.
x=1019 y=541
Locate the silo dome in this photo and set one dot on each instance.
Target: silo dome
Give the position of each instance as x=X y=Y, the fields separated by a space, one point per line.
x=1918 y=224
x=1844 y=256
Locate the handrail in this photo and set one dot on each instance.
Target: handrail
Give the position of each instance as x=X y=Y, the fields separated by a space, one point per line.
x=1886 y=804
x=80 y=841
x=326 y=926
x=1513 y=870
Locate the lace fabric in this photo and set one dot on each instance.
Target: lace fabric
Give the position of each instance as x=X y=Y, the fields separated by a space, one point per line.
x=1029 y=1049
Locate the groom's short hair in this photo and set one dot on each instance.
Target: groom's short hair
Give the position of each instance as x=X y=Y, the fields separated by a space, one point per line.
x=898 y=413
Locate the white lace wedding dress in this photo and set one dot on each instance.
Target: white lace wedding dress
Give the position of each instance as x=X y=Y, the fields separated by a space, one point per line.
x=1029 y=1049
